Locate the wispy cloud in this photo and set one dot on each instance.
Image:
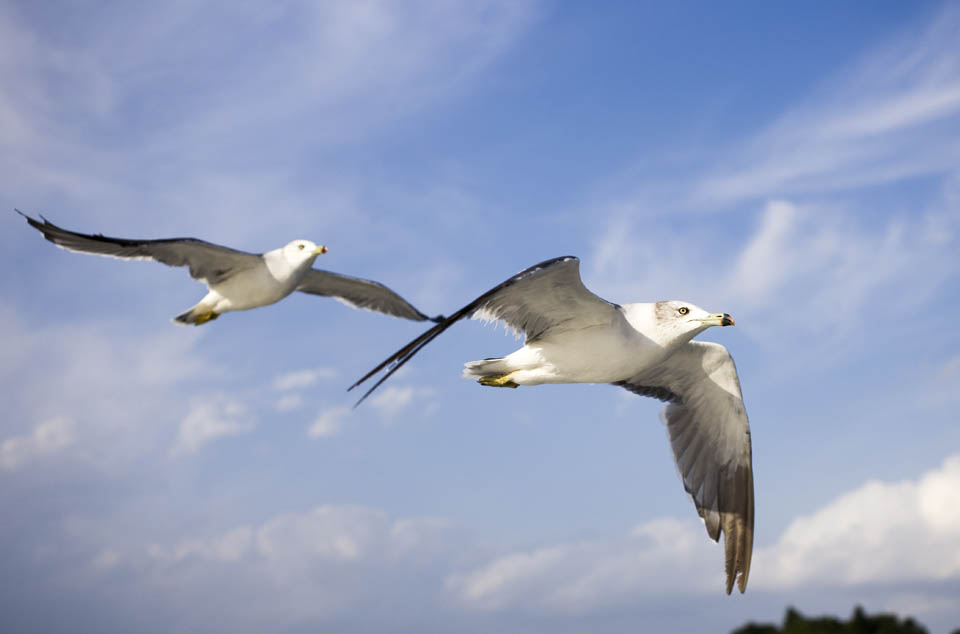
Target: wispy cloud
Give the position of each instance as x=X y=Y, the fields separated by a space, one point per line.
x=328 y=422
x=309 y=566
x=232 y=546
x=885 y=118
x=288 y=402
x=825 y=242
x=208 y=419
x=591 y=575
x=48 y=437
x=280 y=81
x=806 y=268
x=394 y=399
x=327 y=533
x=303 y=378
x=113 y=400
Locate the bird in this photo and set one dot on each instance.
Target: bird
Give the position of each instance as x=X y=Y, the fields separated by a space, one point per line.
x=574 y=336
x=237 y=280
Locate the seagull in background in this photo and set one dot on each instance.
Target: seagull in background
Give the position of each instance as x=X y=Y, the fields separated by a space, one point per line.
x=574 y=336
x=238 y=280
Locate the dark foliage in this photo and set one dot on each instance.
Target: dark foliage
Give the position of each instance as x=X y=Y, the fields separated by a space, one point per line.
x=859 y=623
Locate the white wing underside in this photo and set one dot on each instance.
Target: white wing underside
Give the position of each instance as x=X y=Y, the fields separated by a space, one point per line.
x=710 y=439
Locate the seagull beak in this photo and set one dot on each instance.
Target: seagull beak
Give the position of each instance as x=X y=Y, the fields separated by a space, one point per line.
x=320 y=250
x=718 y=319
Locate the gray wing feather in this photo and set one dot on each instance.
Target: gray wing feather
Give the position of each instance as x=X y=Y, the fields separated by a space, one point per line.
x=541 y=298
x=545 y=298
x=207 y=262
x=710 y=439
x=359 y=293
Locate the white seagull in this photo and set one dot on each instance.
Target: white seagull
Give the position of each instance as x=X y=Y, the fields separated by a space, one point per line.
x=238 y=280
x=573 y=336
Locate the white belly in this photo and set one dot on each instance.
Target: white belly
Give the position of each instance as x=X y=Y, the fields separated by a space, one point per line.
x=593 y=355
x=251 y=289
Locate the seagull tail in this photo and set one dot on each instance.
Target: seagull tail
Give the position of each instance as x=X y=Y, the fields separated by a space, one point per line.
x=485 y=368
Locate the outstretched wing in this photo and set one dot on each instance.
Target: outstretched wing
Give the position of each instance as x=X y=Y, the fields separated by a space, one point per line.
x=359 y=293
x=208 y=263
x=710 y=438
x=545 y=298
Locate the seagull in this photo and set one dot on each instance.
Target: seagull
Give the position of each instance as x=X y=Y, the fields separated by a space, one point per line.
x=238 y=280
x=574 y=336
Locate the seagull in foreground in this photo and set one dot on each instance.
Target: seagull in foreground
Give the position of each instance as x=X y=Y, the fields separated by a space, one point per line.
x=573 y=336
x=238 y=280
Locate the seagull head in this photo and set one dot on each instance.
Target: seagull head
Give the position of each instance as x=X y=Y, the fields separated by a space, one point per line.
x=682 y=321
x=300 y=252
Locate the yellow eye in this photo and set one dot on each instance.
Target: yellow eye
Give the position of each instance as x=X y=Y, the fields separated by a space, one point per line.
x=683 y=310
x=300 y=246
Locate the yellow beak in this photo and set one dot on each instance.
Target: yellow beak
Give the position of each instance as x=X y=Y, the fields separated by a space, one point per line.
x=718 y=319
x=320 y=250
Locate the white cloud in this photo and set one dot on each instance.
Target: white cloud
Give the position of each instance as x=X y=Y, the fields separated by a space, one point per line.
x=292 y=544
x=394 y=399
x=656 y=558
x=891 y=533
x=122 y=386
x=288 y=403
x=232 y=546
x=328 y=422
x=303 y=378
x=764 y=263
x=885 y=535
x=877 y=121
x=211 y=418
x=817 y=262
x=326 y=533
x=251 y=85
x=813 y=270
x=308 y=566
x=48 y=437
x=881 y=532
x=107 y=559
x=919 y=604
x=826 y=264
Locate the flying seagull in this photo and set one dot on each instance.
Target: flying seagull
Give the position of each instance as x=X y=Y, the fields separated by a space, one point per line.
x=238 y=280
x=573 y=336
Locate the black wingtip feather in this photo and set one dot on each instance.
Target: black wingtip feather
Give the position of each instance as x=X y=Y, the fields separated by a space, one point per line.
x=403 y=355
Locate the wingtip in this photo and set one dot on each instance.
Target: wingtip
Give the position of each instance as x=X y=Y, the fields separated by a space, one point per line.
x=360 y=400
x=33 y=222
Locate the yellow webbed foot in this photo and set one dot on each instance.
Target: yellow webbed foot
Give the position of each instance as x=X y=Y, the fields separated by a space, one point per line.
x=205 y=317
x=497 y=381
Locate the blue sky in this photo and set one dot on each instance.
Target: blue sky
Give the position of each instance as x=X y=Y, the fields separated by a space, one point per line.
x=796 y=167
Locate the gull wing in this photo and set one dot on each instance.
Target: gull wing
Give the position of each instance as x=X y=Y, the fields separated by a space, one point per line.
x=360 y=293
x=545 y=298
x=208 y=263
x=710 y=438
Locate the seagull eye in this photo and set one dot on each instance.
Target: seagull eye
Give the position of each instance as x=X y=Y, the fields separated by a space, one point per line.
x=300 y=246
x=683 y=310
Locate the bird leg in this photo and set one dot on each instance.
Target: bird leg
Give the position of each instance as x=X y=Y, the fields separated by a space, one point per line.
x=497 y=381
